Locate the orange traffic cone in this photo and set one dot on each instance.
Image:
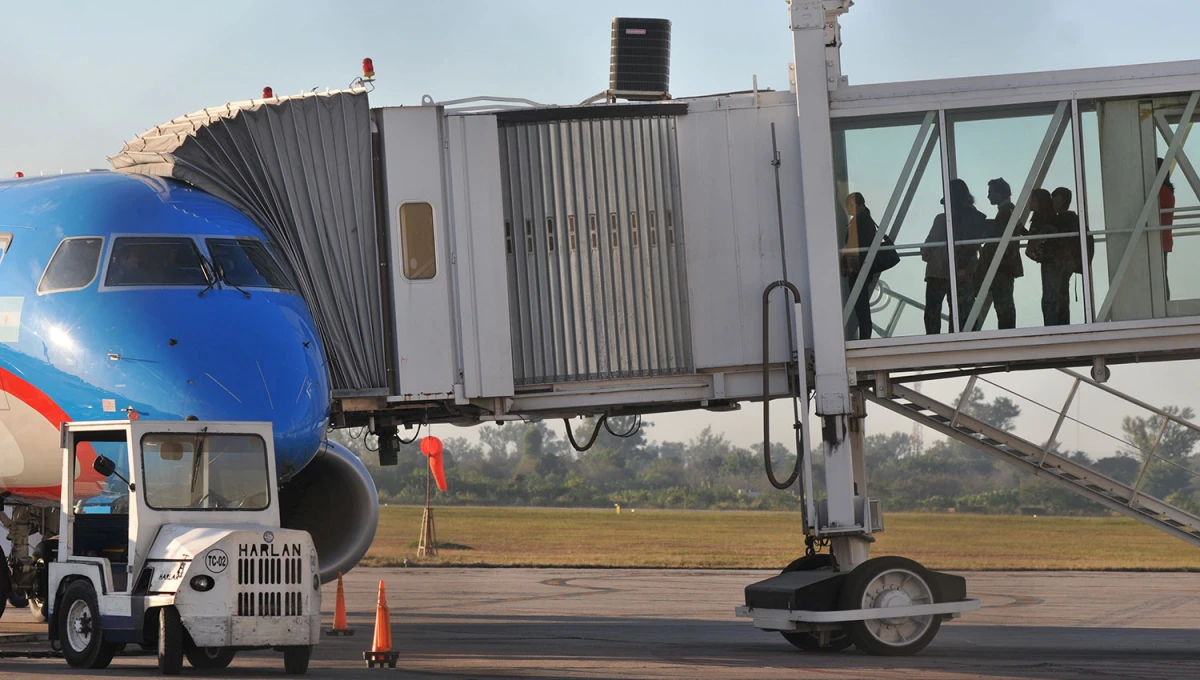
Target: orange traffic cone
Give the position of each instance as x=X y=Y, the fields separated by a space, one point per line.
x=381 y=649
x=339 y=613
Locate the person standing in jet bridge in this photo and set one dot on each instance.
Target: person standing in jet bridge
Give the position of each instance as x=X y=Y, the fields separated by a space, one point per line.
x=1010 y=269
x=1166 y=218
x=860 y=234
x=969 y=225
x=1056 y=278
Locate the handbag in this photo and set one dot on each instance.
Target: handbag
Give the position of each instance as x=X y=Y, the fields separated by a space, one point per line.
x=885 y=259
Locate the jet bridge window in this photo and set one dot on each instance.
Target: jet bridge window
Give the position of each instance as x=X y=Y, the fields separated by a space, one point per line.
x=246 y=262
x=417 y=241
x=73 y=265
x=155 y=261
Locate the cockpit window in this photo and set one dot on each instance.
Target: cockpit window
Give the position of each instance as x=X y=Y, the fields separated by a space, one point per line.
x=5 y=239
x=73 y=265
x=155 y=261
x=246 y=263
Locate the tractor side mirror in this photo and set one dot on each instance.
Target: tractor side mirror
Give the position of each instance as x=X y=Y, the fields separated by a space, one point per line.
x=104 y=465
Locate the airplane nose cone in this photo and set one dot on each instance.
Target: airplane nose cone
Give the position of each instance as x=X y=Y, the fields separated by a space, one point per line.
x=275 y=372
x=223 y=357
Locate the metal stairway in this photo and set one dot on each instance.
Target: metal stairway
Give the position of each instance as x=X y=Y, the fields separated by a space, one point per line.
x=1045 y=464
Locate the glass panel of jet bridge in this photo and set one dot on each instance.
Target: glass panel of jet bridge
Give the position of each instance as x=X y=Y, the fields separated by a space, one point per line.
x=1041 y=209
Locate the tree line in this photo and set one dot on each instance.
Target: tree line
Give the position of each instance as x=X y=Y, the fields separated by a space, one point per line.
x=531 y=464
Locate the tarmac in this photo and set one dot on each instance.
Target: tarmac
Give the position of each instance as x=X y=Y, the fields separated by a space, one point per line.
x=626 y=623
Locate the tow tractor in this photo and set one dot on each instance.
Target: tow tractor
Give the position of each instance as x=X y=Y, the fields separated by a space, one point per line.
x=169 y=538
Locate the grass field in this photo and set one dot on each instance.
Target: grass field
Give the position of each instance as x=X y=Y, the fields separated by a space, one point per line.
x=535 y=537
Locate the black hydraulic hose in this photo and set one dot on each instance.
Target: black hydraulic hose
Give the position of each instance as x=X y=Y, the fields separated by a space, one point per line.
x=633 y=429
x=603 y=422
x=766 y=376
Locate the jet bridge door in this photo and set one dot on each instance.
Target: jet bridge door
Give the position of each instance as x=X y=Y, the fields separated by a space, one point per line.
x=593 y=229
x=417 y=219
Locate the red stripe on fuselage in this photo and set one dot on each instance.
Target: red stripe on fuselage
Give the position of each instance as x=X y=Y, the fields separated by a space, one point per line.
x=52 y=412
x=34 y=398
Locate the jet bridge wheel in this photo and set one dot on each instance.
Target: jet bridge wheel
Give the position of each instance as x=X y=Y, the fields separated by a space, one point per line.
x=890 y=582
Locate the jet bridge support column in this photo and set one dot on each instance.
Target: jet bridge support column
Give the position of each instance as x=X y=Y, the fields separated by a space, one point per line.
x=816 y=40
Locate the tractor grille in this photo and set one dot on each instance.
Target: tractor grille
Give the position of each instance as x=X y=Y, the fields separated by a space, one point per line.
x=274 y=603
x=269 y=571
x=263 y=586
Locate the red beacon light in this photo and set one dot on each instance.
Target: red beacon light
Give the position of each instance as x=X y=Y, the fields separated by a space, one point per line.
x=19 y=174
x=268 y=93
x=368 y=68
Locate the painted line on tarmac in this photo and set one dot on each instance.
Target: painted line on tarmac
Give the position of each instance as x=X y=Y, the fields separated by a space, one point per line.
x=553 y=582
x=1017 y=600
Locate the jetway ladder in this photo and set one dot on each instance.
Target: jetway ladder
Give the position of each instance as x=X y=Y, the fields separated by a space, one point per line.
x=1040 y=460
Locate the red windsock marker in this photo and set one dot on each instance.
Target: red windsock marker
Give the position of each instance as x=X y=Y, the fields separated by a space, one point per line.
x=339 y=613
x=381 y=653
x=431 y=447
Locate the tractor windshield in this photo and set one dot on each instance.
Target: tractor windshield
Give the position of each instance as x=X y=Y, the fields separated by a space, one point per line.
x=205 y=472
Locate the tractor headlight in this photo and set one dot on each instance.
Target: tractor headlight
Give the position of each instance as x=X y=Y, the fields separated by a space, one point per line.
x=203 y=583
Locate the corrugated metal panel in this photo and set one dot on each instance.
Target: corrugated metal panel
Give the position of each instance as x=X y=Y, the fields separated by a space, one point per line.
x=594 y=241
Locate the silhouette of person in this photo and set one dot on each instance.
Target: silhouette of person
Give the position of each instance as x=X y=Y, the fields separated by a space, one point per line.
x=860 y=233
x=968 y=225
x=1166 y=218
x=1069 y=260
x=1054 y=254
x=1010 y=268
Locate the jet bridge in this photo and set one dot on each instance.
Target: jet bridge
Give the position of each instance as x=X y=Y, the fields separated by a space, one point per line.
x=513 y=261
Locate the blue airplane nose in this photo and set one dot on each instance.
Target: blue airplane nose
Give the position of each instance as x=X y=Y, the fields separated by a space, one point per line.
x=269 y=366
x=222 y=356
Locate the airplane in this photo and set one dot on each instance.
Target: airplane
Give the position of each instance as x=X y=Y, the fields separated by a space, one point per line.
x=126 y=296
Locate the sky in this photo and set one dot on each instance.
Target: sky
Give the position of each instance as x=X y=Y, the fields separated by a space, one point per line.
x=82 y=78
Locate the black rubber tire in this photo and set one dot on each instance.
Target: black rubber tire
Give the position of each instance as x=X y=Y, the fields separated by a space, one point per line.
x=295 y=659
x=98 y=653
x=210 y=658
x=851 y=598
x=810 y=642
x=170 y=641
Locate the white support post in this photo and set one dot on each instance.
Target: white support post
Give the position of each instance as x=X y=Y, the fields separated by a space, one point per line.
x=1081 y=209
x=805 y=433
x=949 y=217
x=808 y=20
